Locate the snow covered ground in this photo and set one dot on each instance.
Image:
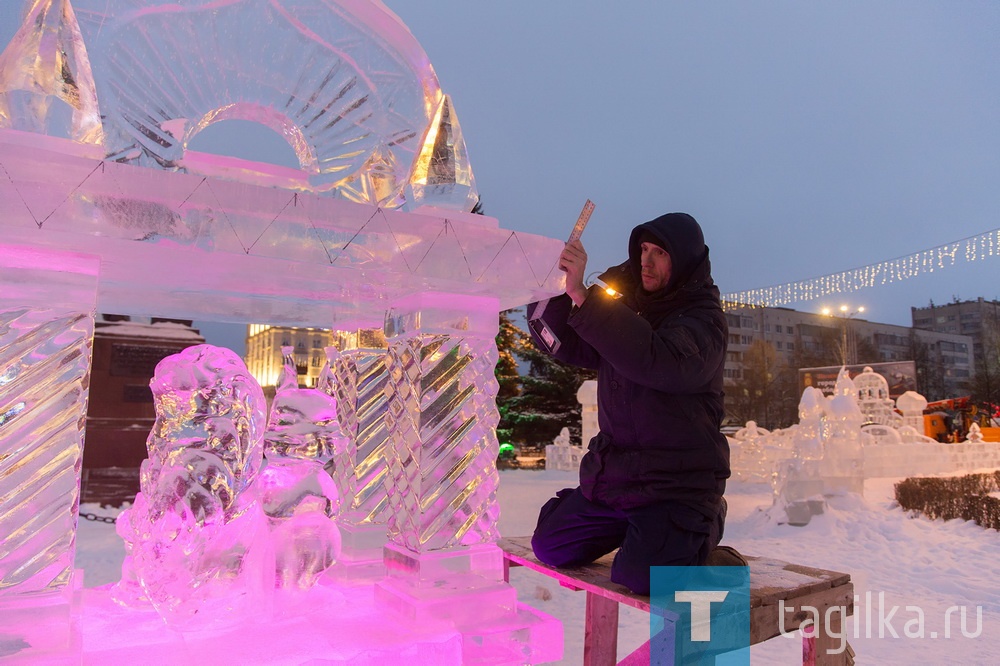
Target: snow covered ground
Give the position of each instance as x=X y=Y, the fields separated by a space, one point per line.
x=918 y=567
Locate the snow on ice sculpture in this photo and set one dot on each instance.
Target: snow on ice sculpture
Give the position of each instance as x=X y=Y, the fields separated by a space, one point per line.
x=303 y=438
x=196 y=536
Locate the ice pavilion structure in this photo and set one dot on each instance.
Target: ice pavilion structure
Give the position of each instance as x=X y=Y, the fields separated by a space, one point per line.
x=103 y=207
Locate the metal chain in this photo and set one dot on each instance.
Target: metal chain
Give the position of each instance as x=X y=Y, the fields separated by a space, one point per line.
x=101 y=519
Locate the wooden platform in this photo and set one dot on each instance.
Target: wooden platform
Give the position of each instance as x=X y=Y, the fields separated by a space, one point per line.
x=772 y=582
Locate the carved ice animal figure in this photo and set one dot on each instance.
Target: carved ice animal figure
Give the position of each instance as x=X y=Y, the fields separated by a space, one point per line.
x=196 y=537
x=303 y=444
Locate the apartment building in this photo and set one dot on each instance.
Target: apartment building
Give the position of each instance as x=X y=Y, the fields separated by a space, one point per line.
x=802 y=337
x=264 y=359
x=972 y=318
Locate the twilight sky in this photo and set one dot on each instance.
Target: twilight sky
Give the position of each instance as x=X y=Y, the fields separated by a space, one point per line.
x=806 y=137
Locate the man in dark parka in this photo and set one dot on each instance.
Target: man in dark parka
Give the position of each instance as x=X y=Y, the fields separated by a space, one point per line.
x=652 y=482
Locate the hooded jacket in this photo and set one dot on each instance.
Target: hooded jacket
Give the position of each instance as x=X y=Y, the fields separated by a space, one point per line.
x=660 y=359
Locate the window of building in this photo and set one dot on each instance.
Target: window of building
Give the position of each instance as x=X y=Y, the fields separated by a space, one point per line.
x=746 y=339
x=779 y=345
x=791 y=346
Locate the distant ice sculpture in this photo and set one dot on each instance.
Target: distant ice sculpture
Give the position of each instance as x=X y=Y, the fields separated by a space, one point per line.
x=302 y=441
x=561 y=454
x=196 y=537
x=873 y=398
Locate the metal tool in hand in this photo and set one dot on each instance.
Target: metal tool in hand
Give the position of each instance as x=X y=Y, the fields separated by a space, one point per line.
x=535 y=320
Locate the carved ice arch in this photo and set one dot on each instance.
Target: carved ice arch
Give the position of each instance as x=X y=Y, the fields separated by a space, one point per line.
x=345 y=84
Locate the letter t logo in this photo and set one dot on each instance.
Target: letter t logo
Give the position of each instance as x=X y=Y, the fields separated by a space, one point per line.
x=701 y=610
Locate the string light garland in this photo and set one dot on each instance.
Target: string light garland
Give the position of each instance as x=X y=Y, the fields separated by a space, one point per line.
x=973 y=248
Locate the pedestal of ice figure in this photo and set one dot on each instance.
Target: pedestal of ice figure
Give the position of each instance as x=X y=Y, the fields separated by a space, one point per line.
x=442 y=559
x=46 y=335
x=358 y=365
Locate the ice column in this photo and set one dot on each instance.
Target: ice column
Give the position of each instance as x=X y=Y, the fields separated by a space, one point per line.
x=359 y=376
x=442 y=480
x=46 y=332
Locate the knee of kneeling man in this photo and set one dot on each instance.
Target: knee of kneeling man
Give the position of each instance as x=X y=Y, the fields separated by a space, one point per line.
x=548 y=555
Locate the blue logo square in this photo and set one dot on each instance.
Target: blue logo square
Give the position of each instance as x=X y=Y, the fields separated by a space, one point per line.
x=699 y=613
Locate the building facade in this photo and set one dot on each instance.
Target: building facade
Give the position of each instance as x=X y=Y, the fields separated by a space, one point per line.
x=945 y=359
x=120 y=411
x=972 y=318
x=264 y=359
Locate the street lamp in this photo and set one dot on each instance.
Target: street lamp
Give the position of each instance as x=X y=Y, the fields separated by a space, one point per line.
x=848 y=337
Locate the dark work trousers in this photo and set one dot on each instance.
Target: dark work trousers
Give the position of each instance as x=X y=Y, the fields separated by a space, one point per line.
x=572 y=531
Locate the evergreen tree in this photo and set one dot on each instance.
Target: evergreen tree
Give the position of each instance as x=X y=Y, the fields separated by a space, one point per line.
x=546 y=402
x=509 y=339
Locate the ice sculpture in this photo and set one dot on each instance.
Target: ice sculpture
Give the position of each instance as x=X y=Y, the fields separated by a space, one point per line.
x=46 y=330
x=810 y=434
x=441 y=174
x=189 y=235
x=46 y=84
x=843 y=458
x=196 y=536
x=873 y=398
x=561 y=454
x=303 y=438
x=912 y=405
x=358 y=365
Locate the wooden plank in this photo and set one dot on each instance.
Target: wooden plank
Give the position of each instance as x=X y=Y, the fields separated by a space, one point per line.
x=600 y=643
x=593 y=577
x=775 y=586
x=770 y=580
x=765 y=621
